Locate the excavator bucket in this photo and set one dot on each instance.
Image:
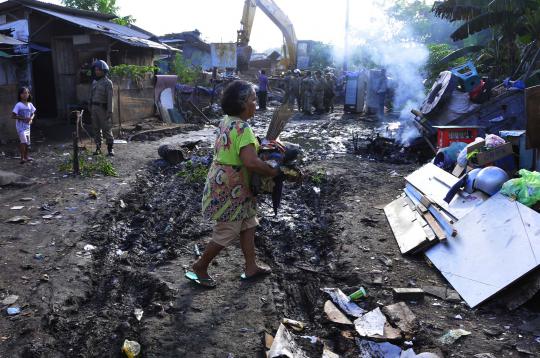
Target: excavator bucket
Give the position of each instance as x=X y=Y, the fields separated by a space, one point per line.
x=243 y=55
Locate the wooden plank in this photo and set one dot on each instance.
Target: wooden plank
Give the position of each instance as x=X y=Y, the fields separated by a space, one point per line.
x=437 y=229
x=409 y=234
x=421 y=208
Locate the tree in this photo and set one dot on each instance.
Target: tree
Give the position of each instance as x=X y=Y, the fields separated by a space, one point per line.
x=103 y=6
x=509 y=21
x=321 y=55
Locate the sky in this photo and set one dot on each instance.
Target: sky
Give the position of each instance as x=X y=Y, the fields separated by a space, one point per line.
x=218 y=20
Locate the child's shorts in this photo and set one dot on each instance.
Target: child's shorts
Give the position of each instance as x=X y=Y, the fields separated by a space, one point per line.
x=225 y=232
x=24 y=136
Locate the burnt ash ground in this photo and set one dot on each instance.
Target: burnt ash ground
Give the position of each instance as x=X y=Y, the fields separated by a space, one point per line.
x=333 y=239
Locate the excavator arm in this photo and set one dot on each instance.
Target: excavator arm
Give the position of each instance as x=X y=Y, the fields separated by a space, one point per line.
x=278 y=17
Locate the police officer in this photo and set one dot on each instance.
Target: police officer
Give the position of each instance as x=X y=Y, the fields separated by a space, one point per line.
x=307 y=93
x=329 y=92
x=294 y=89
x=101 y=106
x=319 y=87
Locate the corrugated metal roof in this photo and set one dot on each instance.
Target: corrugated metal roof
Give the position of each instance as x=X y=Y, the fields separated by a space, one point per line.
x=7 y=40
x=122 y=33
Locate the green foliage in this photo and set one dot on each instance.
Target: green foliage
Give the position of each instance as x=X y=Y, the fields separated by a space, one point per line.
x=186 y=74
x=103 y=6
x=321 y=55
x=318 y=178
x=433 y=67
x=193 y=173
x=137 y=73
x=90 y=165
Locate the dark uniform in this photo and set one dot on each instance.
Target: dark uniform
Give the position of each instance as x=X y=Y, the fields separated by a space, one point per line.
x=306 y=90
x=101 y=108
x=320 y=85
x=294 y=90
x=329 y=92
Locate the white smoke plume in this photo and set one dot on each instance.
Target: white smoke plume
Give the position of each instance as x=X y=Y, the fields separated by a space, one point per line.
x=388 y=43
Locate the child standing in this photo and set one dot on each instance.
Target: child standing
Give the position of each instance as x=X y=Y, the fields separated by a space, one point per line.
x=24 y=112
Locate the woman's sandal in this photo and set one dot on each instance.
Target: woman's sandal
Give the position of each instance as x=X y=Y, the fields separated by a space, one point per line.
x=204 y=282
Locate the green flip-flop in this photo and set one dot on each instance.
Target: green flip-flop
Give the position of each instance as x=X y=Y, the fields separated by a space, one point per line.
x=205 y=282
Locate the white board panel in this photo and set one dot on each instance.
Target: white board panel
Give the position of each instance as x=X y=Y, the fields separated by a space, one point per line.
x=497 y=243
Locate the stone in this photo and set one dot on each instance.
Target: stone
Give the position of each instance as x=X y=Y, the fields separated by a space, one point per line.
x=408 y=294
x=334 y=314
x=9 y=300
x=402 y=317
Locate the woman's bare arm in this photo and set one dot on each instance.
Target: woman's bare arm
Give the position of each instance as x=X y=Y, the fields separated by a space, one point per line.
x=253 y=163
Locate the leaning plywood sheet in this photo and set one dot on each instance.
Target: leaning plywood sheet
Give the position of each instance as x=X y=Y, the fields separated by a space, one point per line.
x=406 y=228
x=435 y=183
x=497 y=243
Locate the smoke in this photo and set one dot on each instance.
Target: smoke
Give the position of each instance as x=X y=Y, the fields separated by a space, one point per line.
x=378 y=40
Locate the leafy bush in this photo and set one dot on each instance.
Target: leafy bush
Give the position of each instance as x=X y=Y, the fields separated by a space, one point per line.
x=194 y=173
x=186 y=74
x=134 y=72
x=89 y=165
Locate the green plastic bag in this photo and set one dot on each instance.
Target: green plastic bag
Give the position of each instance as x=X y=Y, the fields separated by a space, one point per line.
x=526 y=189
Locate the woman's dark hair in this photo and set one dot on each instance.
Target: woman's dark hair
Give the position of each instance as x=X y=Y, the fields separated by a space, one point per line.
x=233 y=100
x=21 y=90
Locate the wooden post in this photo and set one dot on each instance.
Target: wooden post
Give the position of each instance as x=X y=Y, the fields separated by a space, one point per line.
x=76 y=169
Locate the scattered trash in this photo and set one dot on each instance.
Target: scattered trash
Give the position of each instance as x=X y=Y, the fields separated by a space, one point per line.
x=138 y=313
x=122 y=204
x=484 y=355
x=197 y=251
x=312 y=339
x=284 y=345
x=408 y=294
x=26 y=199
x=19 y=207
x=403 y=318
x=268 y=340
x=45 y=278
x=296 y=325
x=453 y=335
x=334 y=314
x=369 y=349
x=18 y=219
x=458 y=317
x=12 y=311
x=361 y=292
x=131 y=349
x=9 y=300
x=343 y=302
x=371 y=324
x=89 y=247
x=47 y=217
x=443 y=293
x=329 y=354
x=92 y=194
x=39 y=256
x=525 y=349
x=386 y=261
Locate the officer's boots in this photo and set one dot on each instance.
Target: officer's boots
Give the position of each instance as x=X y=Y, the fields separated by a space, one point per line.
x=110 y=150
x=98 y=149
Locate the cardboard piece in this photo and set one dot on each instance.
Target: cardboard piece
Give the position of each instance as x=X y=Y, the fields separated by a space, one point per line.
x=487 y=156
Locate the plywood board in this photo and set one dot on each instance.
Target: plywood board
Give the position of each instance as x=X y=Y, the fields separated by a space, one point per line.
x=497 y=243
x=407 y=230
x=435 y=183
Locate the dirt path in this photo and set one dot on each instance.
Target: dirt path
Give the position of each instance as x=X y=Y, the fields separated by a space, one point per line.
x=338 y=238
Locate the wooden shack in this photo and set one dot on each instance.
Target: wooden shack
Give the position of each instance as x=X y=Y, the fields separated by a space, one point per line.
x=62 y=44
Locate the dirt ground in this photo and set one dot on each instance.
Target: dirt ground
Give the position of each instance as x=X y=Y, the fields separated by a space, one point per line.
x=79 y=300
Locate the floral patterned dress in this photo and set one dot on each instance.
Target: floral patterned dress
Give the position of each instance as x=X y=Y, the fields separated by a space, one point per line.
x=227 y=195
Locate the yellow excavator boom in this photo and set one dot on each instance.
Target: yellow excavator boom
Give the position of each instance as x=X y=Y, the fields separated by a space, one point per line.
x=278 y=17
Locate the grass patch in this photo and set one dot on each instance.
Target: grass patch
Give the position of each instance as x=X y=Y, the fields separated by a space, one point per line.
x=318 y=178
x=90 y=165
x=193 y=173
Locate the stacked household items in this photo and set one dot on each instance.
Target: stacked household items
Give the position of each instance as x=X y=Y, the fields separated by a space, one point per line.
x=477 y=227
